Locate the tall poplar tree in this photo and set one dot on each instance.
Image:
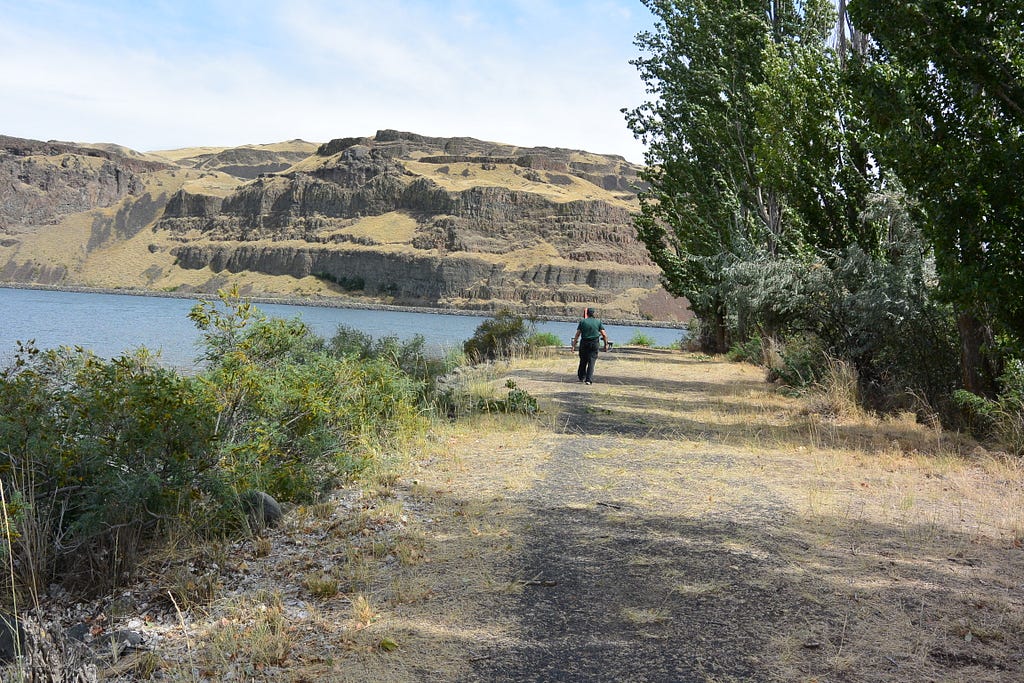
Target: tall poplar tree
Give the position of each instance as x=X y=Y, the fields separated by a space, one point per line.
x=750 y=155
x=944 y=86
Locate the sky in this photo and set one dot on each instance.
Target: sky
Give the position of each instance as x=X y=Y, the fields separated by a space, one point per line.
x=166 y=74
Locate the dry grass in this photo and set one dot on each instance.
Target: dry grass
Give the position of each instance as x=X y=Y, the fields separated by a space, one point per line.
x=456 y=177
x=909 y=537
x=394 y=227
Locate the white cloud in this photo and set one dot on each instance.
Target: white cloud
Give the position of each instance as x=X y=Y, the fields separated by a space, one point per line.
x=532 y=74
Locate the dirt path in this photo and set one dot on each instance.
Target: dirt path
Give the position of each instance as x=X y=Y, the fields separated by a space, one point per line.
x=677 y=521
x=621 y=581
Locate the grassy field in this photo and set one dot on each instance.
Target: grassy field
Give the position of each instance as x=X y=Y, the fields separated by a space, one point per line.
x=678 y=520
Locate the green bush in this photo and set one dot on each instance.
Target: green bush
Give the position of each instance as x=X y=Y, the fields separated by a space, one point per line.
x=798 y=361
x=101 y=456
x=640 y=339
x=542 y=339
x=295 y=419
x=750 y=351
x=516 y=401
x=501 y=336
x=410 y=356
x=1000 y=419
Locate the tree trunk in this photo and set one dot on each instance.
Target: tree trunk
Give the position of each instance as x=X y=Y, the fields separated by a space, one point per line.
x=714 y=335
x=978 y=372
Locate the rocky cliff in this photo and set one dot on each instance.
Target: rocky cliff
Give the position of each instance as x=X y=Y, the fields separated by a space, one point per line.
x=43 y=182
x=396 y=217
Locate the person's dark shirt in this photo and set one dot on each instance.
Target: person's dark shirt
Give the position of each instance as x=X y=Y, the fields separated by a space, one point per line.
x=590 y=329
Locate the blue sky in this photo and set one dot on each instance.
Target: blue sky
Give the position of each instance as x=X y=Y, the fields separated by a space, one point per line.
x=177 y=73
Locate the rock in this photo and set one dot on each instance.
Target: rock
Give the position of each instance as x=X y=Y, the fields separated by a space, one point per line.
x=12 y=638
x=42 y=182
x=78 y=632
x=120 y=639
x=368 y=211
x=261 y=510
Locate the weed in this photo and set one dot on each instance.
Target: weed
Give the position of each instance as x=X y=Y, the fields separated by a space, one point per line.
x=642 y=616
x=322 y=585
x=190 y=590
x=516 y=401
x=543 y=339
x=262 y=546
x=363 y=611
x=257 y=633
x=409 y=549
x=357 y=571
x=408 y=591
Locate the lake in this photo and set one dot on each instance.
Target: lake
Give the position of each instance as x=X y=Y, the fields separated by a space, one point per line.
x=110 y=324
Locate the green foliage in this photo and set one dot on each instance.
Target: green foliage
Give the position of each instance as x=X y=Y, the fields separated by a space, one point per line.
x=99 y=455
x=1000 y=419
x=943 y=86
x=740 y=167
x=515 y=401
x=294 y=419
x=98 y=458
x=541 y=339
x=798 y=361
x=501 y=336
x=749 y=351
x=858 y=307
x=410 y=356
x=640 y=339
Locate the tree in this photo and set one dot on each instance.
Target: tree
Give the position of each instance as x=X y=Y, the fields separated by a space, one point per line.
x=943 y=84
x=751 y=153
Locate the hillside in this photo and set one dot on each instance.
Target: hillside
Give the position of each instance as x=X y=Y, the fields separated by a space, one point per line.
x=396 y=218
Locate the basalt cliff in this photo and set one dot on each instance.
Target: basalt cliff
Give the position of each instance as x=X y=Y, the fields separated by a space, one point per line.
x=396 y=218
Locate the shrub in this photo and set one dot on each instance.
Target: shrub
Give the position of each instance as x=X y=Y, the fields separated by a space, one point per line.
x=750 y=351
x=501 y=336
x=295 y=419
x=410 y=356
x=516 y=401
x=542 y=339
x=640 y=339
x=691 y=340
x=98 y=457
x=798 y=361
x=1000 y=419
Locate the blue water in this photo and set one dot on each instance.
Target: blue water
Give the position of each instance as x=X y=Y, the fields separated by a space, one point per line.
x=110 y=324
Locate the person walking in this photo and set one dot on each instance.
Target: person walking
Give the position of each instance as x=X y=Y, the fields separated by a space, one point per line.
x=589 y=333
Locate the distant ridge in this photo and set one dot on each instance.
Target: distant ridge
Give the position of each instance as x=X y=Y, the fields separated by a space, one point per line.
x=396 y=218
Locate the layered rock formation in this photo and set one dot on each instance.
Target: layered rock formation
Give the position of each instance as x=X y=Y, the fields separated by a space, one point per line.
x=398 y=218
x=43 y=182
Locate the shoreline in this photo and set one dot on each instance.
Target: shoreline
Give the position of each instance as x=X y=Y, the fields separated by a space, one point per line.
x=329 y=303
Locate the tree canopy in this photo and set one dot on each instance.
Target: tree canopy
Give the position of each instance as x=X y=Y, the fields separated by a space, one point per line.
x=943 y=84
x=753 y=154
